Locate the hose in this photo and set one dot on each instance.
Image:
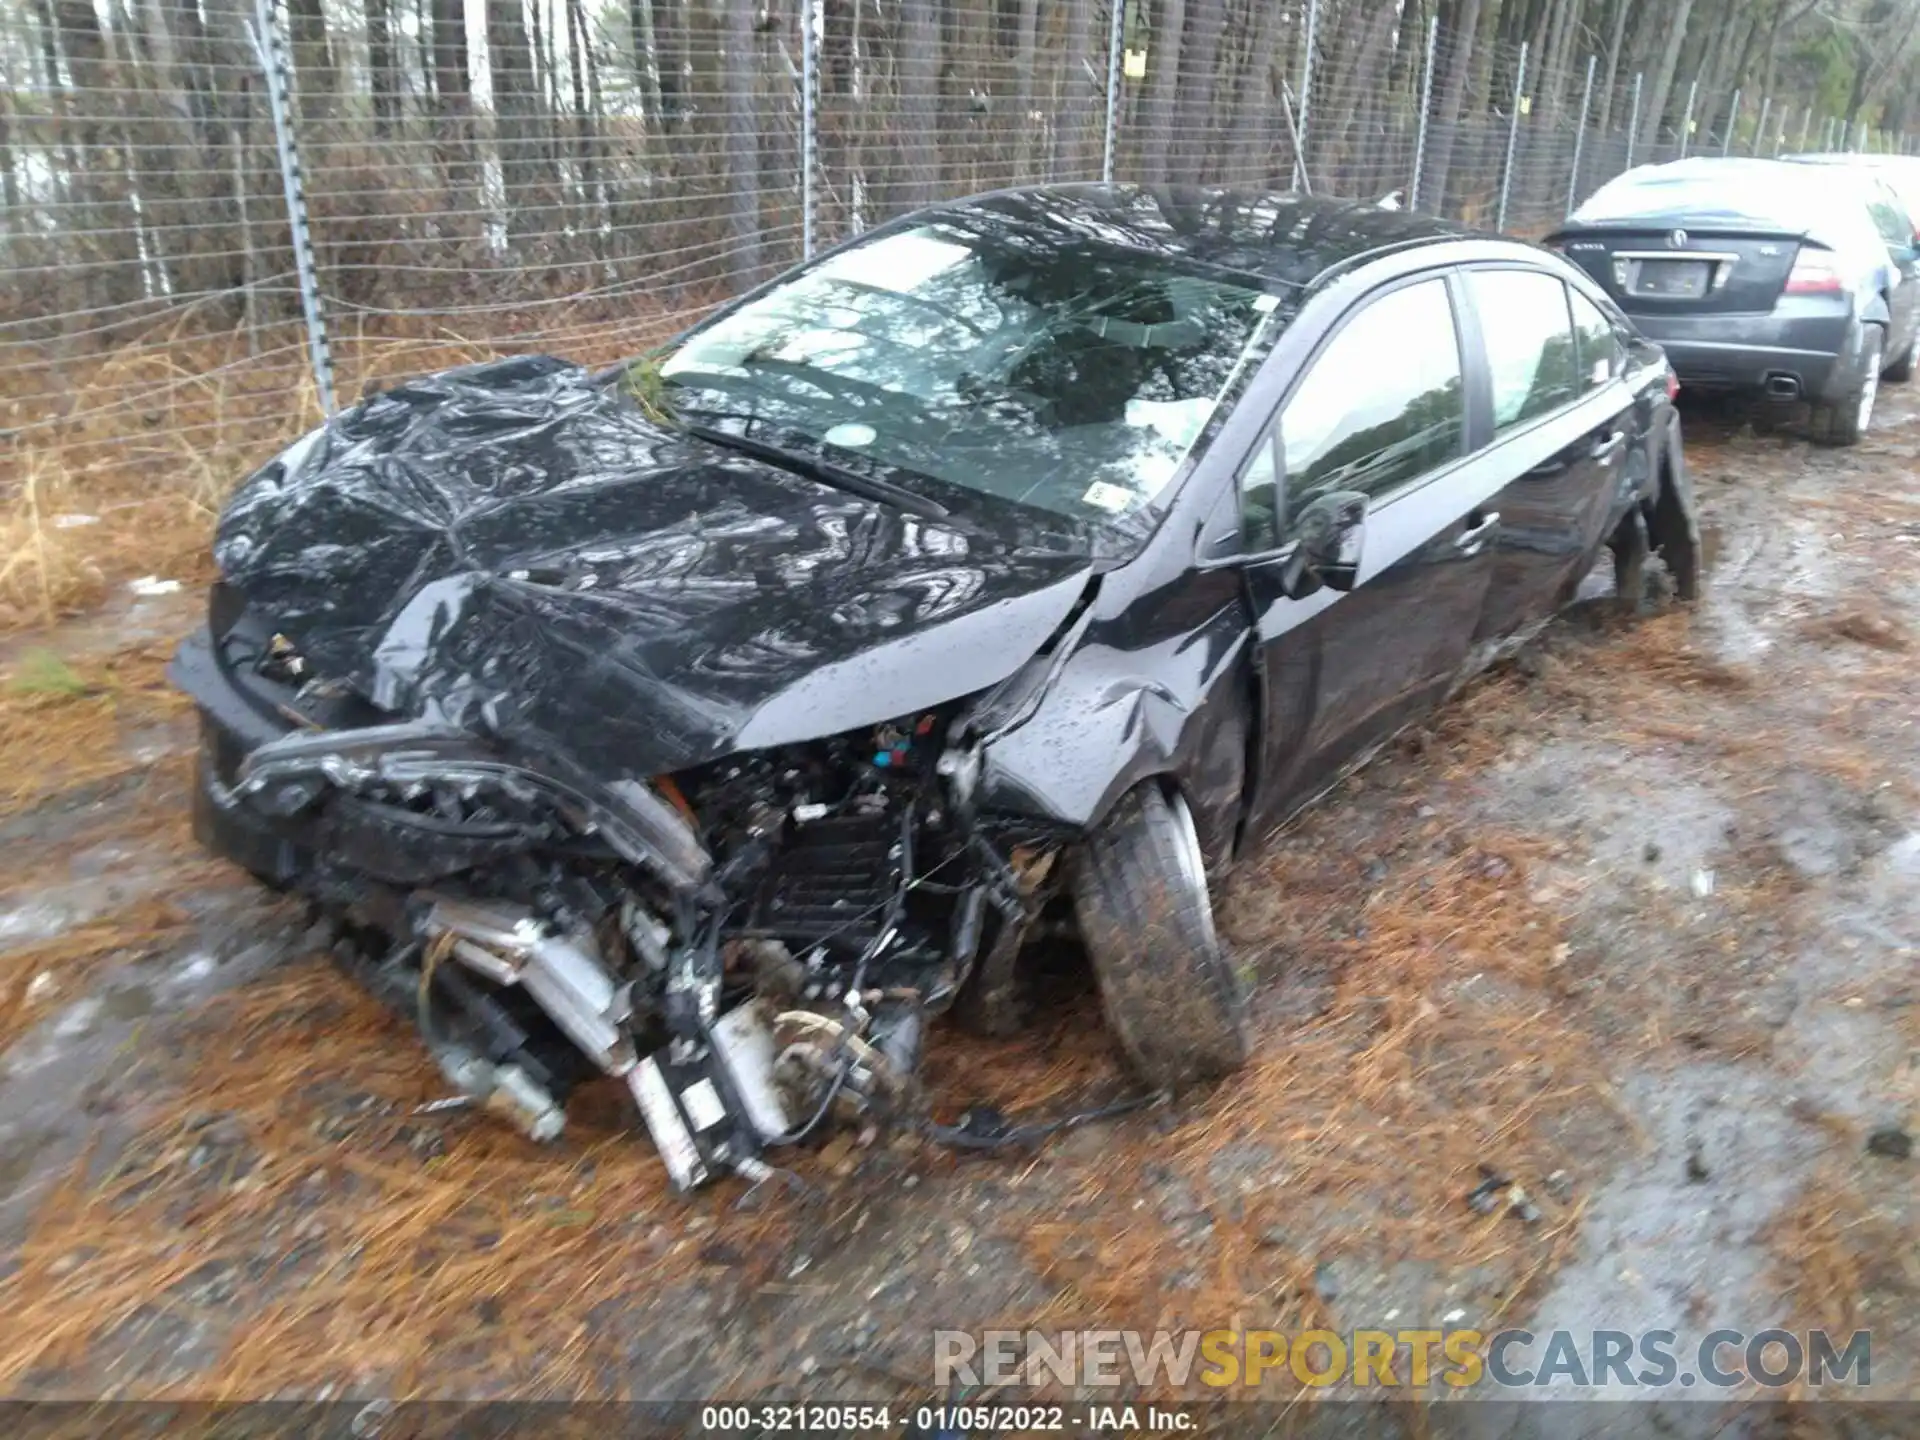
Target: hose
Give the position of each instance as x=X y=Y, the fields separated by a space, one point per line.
x=986 y=1129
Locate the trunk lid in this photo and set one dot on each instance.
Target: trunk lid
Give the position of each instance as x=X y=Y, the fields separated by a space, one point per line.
x=1679 y=269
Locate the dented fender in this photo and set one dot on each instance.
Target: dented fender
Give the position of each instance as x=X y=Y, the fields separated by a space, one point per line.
x=1129 y=704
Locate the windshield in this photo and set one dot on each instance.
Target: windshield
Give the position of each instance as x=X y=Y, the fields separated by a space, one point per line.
x=1027 y=363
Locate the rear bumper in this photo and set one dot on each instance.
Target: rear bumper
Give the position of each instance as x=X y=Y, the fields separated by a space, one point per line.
x=1756 y=352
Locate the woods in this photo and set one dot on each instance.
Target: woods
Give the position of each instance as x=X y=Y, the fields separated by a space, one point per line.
x=532 y=169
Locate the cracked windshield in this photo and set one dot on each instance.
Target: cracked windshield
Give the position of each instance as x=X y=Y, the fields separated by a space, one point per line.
x=1025 y=364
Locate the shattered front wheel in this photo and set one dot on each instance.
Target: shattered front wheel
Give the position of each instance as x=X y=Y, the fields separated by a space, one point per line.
x=1169 y=991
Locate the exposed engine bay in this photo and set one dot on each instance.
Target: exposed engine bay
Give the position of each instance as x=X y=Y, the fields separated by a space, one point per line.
x=753 y=947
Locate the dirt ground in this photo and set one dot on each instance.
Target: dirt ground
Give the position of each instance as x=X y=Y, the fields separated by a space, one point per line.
x=1633 y=924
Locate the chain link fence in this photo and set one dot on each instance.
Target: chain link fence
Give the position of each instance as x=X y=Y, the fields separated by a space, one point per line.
x=223 y=217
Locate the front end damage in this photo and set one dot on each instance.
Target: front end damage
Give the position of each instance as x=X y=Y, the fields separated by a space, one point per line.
x=753 y=945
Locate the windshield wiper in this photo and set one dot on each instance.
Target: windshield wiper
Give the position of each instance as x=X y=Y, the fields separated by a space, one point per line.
x=825 y=471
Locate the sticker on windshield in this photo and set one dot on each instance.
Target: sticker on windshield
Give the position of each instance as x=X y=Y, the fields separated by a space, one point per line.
x=851 y=436
x=1112 y=498
x=1265 y=304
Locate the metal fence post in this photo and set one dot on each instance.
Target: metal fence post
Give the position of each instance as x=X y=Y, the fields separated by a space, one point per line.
x=1686 y=121
x=1306 y=96
x=1579 y=137
x=271 y=51
x=1513 y=136
x=1426 y=103
x=1633 y=120
x=1115 y=38
x=1733 y=122
x=809 y=119
x=1760 y=125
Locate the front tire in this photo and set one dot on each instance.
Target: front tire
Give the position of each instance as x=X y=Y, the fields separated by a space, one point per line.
x=1843 y=420
x=1169 y=991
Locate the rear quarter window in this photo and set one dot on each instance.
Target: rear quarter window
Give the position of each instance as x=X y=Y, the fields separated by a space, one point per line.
x=1598 y=351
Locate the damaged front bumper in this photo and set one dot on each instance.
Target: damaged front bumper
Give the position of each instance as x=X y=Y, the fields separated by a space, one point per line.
x=753 y=948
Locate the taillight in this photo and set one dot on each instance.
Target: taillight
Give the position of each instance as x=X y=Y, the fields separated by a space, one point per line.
x=1673 y=384
x=1813 y=274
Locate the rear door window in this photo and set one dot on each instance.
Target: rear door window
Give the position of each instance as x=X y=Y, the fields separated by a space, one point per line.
x=1381 y=404
x=1529 y=343
x=1596 y=342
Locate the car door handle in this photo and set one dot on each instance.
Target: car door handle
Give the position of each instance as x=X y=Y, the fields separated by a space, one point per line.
x=1477 y=531
x=1608 y=445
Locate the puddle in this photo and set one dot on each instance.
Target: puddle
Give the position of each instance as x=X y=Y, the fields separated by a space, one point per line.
x=18 y=1156
x=30 y=923
x=127 y=1002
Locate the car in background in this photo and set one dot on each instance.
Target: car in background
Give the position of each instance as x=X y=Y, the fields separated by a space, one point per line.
x=1900 y=173
x=1792 y=282
x=1050 y=546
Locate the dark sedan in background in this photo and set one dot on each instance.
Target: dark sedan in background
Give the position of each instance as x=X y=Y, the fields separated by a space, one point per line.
x=712 y=721
x=1786 y=281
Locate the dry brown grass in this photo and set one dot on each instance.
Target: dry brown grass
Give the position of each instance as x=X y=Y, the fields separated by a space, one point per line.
x=69 y=960
x=1875 y=628
x=415 y=1254
x=148 y=439
x=1446 y=1040
x=68 y=723
x=1833 y=1254
x=1443 y=1045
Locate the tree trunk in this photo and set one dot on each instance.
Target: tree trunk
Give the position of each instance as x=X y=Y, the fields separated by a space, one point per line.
x=453 y=104
x=1200 y=52
x=382 y=78
x=1444 y=129
x=510 y=69
x=741 y=148
x=1026 y=37
x=1080 y=98
x=917 y=65
x=1663 y=74
x=1163 y=79
x=9 y=174
x=1253 y=111
x=1616 y=39
x=646 y=60
x=111 y=272
x=313 y=68
x=585 y=130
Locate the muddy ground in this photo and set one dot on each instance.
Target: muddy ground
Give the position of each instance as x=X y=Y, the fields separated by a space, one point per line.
x=1632 y=925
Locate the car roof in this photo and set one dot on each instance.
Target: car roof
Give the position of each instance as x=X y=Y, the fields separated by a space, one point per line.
x=1287 y=237
x=1866 y=159
x=1760 y=193
x=1825 y=203
x=1899 y=173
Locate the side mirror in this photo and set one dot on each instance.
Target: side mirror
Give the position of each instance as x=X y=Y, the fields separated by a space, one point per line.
x=1327 y=538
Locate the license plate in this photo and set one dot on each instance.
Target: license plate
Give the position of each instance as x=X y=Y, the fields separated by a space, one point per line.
x=1672 y=279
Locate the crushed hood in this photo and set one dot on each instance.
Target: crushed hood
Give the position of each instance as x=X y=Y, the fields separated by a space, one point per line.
x=514 y=548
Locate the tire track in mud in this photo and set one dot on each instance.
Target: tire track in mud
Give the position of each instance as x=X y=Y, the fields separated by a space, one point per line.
x=1633 y=922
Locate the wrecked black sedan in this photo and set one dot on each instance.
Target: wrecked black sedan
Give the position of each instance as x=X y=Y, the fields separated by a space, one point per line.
x=714 y=721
